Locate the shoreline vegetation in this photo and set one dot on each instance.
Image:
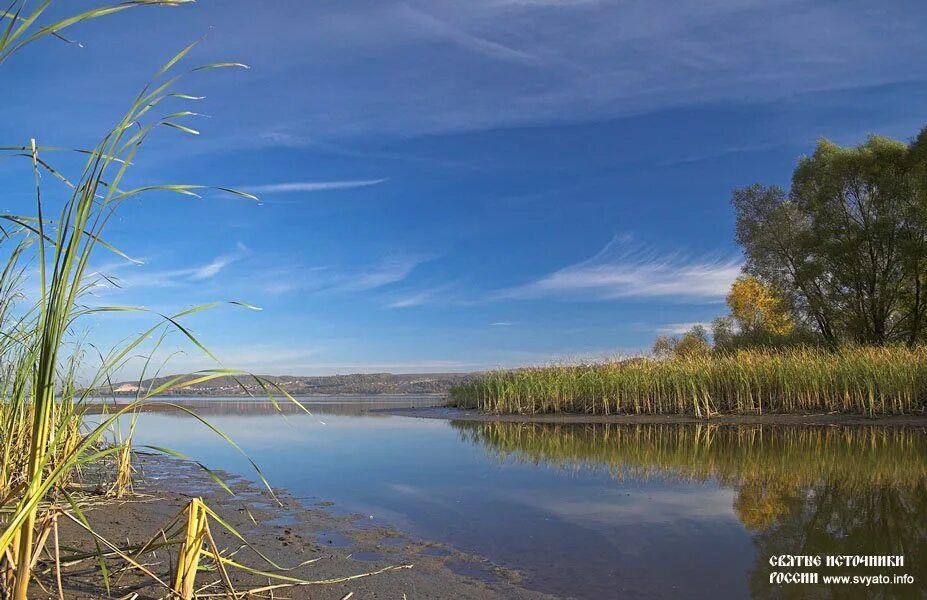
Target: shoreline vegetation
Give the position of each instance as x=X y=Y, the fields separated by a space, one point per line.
x=870 y=381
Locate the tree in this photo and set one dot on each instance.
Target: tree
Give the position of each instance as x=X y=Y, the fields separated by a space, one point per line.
x=723 y=334
x=758 y=308
x=777 y=243
x=664 y=346
x=848 y=243
x=694 y=342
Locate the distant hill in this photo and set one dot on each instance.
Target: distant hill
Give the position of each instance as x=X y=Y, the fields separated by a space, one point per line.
x=360 y=383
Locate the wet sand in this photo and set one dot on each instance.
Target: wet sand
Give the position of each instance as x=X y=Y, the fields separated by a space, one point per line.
x=457 y=414
x=288 y=534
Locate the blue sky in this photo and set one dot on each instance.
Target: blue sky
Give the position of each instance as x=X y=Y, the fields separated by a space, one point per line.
x=459 y=185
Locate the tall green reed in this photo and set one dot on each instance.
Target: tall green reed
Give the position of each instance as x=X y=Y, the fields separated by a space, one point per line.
x=41 y=412
x=857 y=380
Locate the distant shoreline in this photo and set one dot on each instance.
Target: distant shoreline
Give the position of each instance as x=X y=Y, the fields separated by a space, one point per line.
x=296 y=385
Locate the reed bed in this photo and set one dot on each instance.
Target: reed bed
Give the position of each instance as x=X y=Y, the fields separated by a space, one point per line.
x=854 y=380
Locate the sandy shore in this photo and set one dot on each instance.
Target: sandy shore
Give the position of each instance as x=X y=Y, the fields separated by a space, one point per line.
x=288 y=534
x=457 y=414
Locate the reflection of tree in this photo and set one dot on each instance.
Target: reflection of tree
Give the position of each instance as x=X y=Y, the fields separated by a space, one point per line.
x=800 y=490
x=759 y=503
x=827 y=519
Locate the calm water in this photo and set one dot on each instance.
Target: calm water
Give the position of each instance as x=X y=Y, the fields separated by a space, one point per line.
x=596 y=511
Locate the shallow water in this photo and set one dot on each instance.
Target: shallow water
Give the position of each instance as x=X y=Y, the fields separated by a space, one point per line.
x=596 y=511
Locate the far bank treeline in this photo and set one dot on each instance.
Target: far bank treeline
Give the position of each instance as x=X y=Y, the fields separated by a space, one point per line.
x=830 y=313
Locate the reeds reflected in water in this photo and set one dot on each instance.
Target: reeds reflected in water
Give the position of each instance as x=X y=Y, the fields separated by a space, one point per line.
x=817 y=490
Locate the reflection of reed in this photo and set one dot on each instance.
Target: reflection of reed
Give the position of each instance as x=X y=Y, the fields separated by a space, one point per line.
x=730 y=454
x=806 y=490
x=341 y=405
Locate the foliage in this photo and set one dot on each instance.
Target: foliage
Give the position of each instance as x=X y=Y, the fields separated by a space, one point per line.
x=759 y=308
x=861 y=380
x=664 y=346
x=848 y=244
x=760 y=316
x=694 y=342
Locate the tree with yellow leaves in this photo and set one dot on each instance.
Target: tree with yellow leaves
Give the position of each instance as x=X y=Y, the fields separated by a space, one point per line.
x=759 y=308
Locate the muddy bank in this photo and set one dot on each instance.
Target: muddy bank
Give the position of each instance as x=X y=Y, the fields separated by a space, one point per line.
x=289 y=534
x=458 y=414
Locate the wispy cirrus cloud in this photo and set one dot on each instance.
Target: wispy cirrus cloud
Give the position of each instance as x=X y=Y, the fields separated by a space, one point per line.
x=410 y=300
x=339 y=278
x=127 y=275
x=503 y=63
x=432 y=295
x=449 y=32
x=681 y=328
x=337 y=69
x=310 y=186
x=386 y=272
x=623 y=271
x=219 y=263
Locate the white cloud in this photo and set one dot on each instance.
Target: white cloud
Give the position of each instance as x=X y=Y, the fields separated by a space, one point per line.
x=434 y=295
x=445 y=30
x=310 y=186
x=219 y=263
x=386 y=272
x=412 y=300
x=339 y=279
x=619 y=271
x=500 y=324
x=139 y=277
x=681 y=328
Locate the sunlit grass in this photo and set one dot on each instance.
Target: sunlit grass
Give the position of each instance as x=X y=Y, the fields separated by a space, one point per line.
x=856 y=380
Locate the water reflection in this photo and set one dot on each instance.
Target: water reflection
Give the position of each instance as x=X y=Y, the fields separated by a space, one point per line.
x=799 y=490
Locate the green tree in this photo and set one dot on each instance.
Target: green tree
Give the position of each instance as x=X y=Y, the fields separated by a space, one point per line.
x=723 y=333
x=848 y=243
